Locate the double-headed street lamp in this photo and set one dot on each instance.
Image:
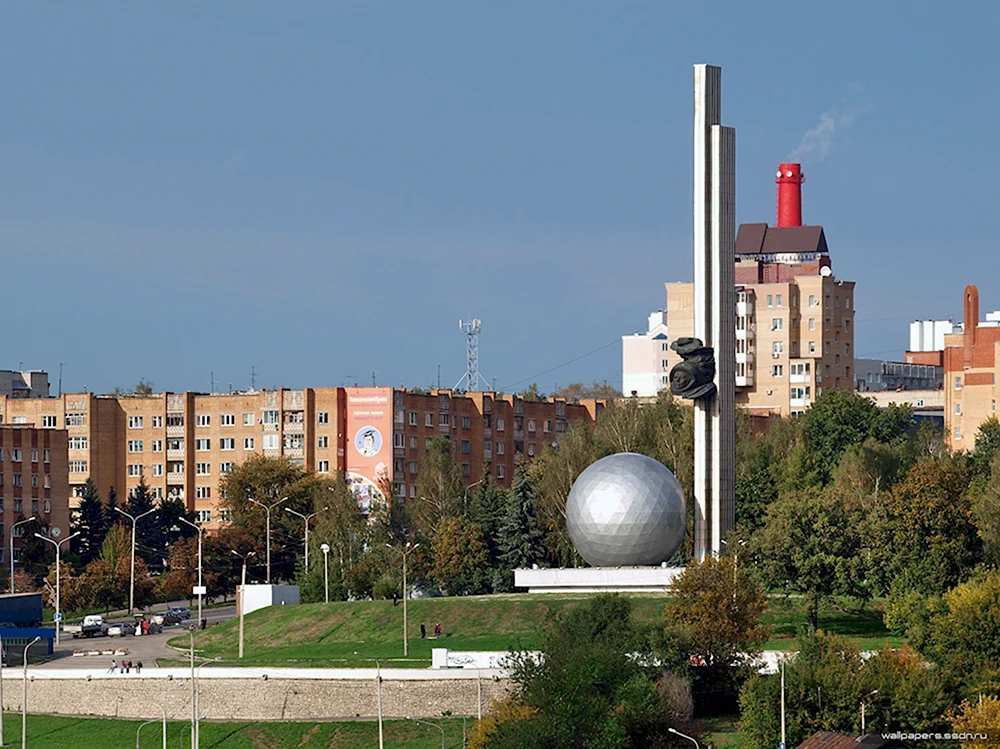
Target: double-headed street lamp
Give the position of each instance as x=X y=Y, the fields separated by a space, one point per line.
x=19 y=522
x=267 y=509
x=407 y=550
x=57 y=544
x=131 y=585
x=243 y=590
x=201 y=589
x=306 y=518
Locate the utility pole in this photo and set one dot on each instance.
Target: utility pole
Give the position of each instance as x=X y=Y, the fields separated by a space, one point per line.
x=211 y=379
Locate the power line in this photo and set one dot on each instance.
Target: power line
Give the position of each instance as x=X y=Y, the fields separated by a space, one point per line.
x=560 y=366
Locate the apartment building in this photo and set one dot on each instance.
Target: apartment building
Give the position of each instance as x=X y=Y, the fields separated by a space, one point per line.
x=32 y=383
x=971 y=363
x=33 y=482
x=181 y=444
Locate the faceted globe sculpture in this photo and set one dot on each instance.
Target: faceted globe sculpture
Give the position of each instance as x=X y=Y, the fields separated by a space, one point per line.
x=626 y=510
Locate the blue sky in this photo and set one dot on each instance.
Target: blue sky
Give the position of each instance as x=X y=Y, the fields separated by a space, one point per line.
x=322 y=189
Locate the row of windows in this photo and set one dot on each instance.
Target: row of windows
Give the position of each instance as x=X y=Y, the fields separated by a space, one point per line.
x=270 y=442
x=445 y=420
x=17 y=480
x=17 y=454
x=200 y=469
x=18 y=506
x=268 y=416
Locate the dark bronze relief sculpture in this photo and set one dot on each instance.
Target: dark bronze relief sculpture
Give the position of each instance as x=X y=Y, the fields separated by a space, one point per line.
x=694 y=377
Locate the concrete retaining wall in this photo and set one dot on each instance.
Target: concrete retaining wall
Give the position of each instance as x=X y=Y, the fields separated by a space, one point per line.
x=252 y=697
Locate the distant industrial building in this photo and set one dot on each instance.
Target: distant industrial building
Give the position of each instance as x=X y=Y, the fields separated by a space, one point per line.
x=873 y=375
x=33 y=383
x=794 y=320
x=971 y=362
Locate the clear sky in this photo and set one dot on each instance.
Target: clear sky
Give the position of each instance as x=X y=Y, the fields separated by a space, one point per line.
x=322 y=189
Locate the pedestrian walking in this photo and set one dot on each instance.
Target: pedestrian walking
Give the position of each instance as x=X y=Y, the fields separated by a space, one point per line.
x=437 y=631
x=138 y=667
x=114 y=665
x=423 y=631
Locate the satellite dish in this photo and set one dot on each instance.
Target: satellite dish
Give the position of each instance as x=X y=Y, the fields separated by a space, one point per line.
x=56 y=532
x=825 y=271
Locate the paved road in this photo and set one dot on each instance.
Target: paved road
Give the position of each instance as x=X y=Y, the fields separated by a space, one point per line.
x=146 y=649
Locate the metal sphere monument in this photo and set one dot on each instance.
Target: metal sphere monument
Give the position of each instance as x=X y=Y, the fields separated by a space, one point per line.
x=626 y=510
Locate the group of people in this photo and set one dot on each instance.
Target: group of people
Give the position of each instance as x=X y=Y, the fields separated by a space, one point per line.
x=437 y=631
x=125 y=667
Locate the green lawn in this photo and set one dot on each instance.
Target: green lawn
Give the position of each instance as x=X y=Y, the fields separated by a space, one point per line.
x=319 y=634
x=50 y=732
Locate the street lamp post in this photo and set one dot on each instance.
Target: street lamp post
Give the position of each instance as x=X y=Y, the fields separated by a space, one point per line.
x=200 y=588
x=407 y=550
x=874 y=691
x=306 y=518
x=19 y=522
x=24 y=697
x=465 y=497
x=197 y=699
x=378 y=692
x=243 y=591
x=57 y=544
x=685 y=736
x=325 y=548
x=1 y=693
x=131 y=585
x=267 y=509
x=194 y=705
x=440 y=728
x=139 y=730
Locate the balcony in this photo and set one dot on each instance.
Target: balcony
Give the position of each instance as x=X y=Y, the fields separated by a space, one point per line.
x=745 y=358
x=175 y=431
x=175 y=477
x=744 y=309
x=800 y=379
x=799 y=403
x=295 y=427
x=175 y=454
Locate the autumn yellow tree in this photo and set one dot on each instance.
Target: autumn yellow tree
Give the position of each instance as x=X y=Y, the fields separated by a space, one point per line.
x=460 y=557
x=982 y=717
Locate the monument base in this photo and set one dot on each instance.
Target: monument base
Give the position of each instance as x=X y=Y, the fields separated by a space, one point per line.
x=597 y=579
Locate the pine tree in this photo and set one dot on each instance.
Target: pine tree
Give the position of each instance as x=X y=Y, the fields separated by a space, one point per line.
x=521 y=540
x=149 y=537
x=89 y=523
x=487 y=511
x=111 y=516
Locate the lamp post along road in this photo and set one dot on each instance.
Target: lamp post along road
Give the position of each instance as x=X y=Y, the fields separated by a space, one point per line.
x=378 y=692
x=131 y=585
x=200 y=587
x=407 y=550
x=24 y=697
x=243 y=592
x=685 y=736
x=306 y=518
x=57 y=544
x=19 y=522
x=1 y=692
x=440 y=728
x=325 y=548
x=267 y=509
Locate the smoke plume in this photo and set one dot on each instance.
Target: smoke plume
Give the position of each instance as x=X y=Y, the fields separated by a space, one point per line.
x=818 y=140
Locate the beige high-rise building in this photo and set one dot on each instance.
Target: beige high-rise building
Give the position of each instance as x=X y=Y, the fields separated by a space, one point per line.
x=182 y=444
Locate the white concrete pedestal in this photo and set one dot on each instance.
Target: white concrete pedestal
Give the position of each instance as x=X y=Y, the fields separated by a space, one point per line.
x=597 y=579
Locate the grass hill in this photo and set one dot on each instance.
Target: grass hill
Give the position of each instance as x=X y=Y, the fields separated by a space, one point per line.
x=319 y=634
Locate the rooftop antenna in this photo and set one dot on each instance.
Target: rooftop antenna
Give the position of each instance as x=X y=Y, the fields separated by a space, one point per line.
x=374 y=372
x=211 y=377
x=253 y=377
x=471 y=378
x=439 y=376
x=60 y=378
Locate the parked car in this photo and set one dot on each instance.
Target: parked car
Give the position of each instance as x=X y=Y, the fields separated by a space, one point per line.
x=119 y=629
x=92 y=626
x=166 y=618
x=181 y=611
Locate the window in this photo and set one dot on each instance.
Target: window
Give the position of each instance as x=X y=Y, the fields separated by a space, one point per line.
x=78 y=466
x=826 y=324
x=547 y=426
x=20 y=419
x=323 y=442
x=826 y=301
x=34 y=481
x=501 y=472
x=175 y=443
x=799 y=393
x=847 y=349
x=500 y=448
x=958 y=409
x=812 y=300
x=323 y=417
x=271 y=442
x=202 y=469
x=48 y=506
x=157 y=469
x=531 y=425
x=778 y=300
x=46 y=455
x=770 y=300
x=836 y=302
x=531 y=449
x=248 y=419
x=499 y=425
x=801 y=368
x=175 y=467
x=826 y=347
x=227 y=420
x=427 y=443
x=466 y=470
x=49 y=422
x=294 y=441
x=15 y=454
x=77 y=443
x=248 y=442
x=202 y=445
x=777 y=323
x=993 y=406
x=34 y=455
x=414 y=467
x=812 y=323
x=847 y=324
x=202 y=492
x=74 y=420
x=205 y=516
x=157 y=446
x=777 y=348
x=958 y=382
x=445 y=419
x=134 y=469
x=413 y=443
x=225 y=467
x=18 y=507
x=958 y=436
x=135 y=422
x=466 y=422
x=413 y=495
x=777 y=370
x=397 y=440
x=157 y=422
x=135 y=446
x=323 y=466
x=17 y=482
x=466 y=447
x=812 y=347
x=227 y=443
x=428 y=420
x=270 y=417
x=175 y=420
